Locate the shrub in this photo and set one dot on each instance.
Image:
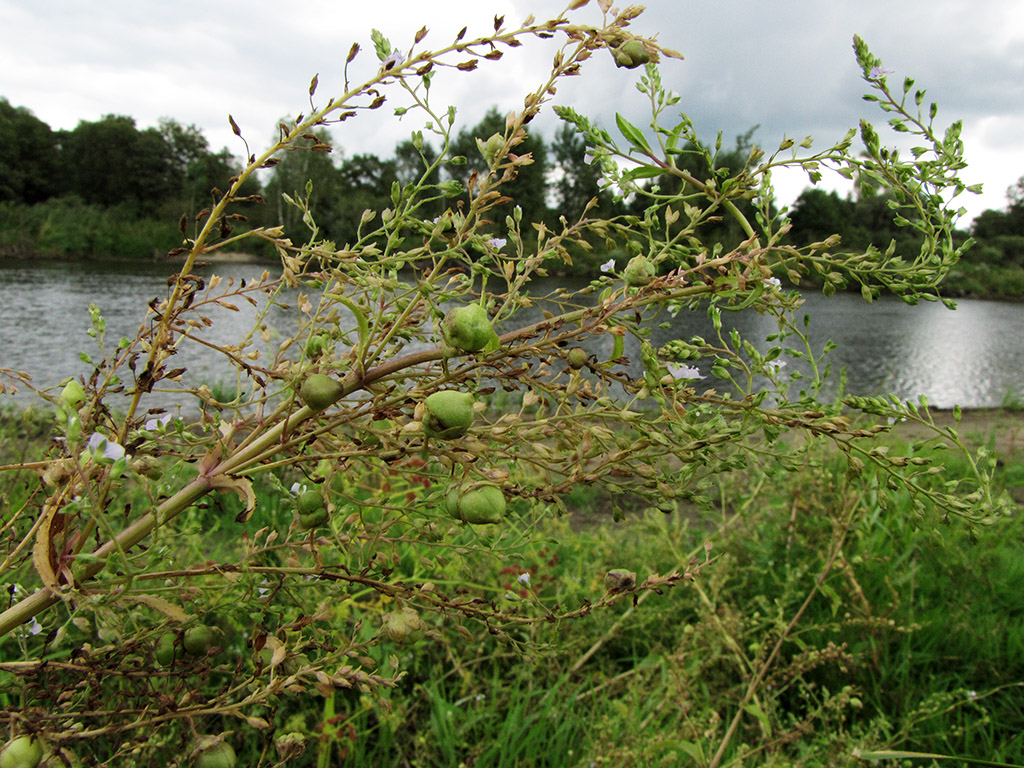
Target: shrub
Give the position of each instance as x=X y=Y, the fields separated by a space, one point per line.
x=137 y=525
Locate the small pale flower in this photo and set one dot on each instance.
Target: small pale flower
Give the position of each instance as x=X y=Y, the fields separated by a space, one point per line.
x=678 y=371
x=497 y=242
x=524 y=579
x=877 y=73
x=156 y=424
x=608 y=266
x=34 y=627
x=774 y=283
x=103 y=449
x=393 y=60
x=297 y=488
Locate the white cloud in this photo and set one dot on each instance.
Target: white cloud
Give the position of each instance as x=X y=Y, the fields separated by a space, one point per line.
x=785 y=65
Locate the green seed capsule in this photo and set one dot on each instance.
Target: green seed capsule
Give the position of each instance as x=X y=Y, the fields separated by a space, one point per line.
x=467 y=328
x=577 y=357
x=639 y=272
x=164 y=652
x=448 y=414
x=319 y=391
x=478 y=504
x=214 y=753
x=22 y=752
x=198 y=640
x=403 y=626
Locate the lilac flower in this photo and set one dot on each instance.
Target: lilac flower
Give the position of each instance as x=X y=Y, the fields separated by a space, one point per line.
x=156 y=424
x=677 y=371
x=34 y=627
x=524 y=579
x=877 y=73
x=608 y=266
x=497 y=242
x=393 y=60
x=104 y=449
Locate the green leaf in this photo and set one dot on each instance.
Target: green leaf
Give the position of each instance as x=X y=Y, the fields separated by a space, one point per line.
x=891 y=754
x=754 y=709
x=643 y=172
x=632 y=134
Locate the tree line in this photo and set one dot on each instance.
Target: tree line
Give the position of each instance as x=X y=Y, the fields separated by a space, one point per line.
x=108 y=187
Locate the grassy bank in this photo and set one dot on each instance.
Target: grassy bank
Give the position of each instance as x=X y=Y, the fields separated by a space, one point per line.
x=828 y=618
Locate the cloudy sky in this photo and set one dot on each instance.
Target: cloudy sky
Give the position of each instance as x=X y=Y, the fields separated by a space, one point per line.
x=785 y=65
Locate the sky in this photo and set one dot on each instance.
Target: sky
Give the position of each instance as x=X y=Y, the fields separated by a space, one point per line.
x=785 y=66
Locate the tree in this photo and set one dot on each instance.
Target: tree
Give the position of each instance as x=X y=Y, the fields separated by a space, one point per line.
x=306 y=173
x=110 y=162
x=28 y=156
x=527 y=189
x=577 y=180
x=194 y=171
x=817 y=214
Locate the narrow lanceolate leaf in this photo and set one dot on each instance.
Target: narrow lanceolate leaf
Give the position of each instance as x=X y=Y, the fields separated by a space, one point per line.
x=41 y=551
x=170 y=610
x=240 y=486
x=632 y=134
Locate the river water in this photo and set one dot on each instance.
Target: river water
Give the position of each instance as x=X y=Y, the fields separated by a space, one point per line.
x=973 y=356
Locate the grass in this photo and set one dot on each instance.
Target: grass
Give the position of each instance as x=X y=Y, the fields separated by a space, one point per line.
x=874 y=630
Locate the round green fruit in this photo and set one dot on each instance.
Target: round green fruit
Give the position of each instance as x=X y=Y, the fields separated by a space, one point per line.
x=448 y=414
x=198 y=640
x=73 y=394
x=22 y=752
x=317 y=344
x=478 y=504
x=631 y=54
x=290 y=744
x=489 y=149
x=639 y=271
x=214 y=753
x=319 y=391
x=467 y=328
x=164 y=652
x=312 y=520
x=577 y=357
x=309 y=502
x=404 y=625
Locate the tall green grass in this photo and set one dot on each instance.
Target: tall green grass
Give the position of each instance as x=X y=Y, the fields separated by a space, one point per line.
x=911 y=636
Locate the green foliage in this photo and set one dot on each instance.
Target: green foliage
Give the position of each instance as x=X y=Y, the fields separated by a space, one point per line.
x=137 y=524
x=28 y=156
